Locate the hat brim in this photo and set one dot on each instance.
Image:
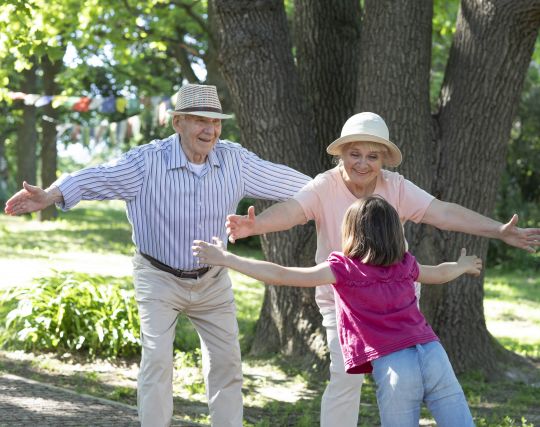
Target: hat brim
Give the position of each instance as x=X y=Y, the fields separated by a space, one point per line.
x=209 y=114
x=392 y=159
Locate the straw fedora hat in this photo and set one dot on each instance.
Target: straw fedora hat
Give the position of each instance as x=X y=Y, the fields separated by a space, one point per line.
x=198 y=100
x=366 y=127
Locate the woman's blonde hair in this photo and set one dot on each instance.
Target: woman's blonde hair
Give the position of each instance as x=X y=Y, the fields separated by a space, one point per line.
x=372 y=232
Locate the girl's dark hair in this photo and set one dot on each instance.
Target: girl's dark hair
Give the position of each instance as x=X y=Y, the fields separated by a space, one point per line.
x=372 y=232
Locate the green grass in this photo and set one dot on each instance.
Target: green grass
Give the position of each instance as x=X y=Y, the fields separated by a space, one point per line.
x=512 y=310
x=91 y=227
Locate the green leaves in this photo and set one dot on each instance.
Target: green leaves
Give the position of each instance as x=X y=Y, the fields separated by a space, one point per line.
x=73 y=312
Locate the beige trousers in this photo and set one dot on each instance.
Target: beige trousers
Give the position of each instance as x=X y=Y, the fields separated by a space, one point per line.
x=209 y=304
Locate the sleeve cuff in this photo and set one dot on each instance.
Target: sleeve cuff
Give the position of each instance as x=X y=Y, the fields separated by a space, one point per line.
x=70 y=192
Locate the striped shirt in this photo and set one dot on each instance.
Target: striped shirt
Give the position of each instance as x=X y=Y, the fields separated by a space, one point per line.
x=168 y=205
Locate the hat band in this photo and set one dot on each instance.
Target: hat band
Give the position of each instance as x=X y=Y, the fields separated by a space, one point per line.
x=192 y=109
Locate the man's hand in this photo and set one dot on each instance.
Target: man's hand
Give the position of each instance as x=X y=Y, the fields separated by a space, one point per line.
x=31 y=199
x=523 y=238
x=240 y=226
x=208 y=253
x=470 y=263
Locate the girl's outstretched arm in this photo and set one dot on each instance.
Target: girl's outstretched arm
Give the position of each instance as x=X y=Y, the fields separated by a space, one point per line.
x=264 y=271
x=447 y=271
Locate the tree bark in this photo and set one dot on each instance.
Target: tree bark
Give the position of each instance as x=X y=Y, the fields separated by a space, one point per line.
x=256 y=61
x=215 y=76
x=491 y=52
x=49 y=153
x=26 y=148
x=395 y=63
x=327 y=52
x=394 y=77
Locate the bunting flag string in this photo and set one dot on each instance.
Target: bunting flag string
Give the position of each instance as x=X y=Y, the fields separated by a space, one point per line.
x=117 y=131
x=107 y=105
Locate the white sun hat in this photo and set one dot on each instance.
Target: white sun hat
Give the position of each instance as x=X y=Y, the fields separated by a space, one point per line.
x=366 y=127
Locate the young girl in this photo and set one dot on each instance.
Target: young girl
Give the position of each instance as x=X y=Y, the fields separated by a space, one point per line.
x=381 y=329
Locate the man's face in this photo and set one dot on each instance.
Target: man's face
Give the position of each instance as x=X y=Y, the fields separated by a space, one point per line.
x=198 y=135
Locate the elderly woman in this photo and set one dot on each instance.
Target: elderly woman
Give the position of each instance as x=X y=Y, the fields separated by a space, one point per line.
x=363 y=148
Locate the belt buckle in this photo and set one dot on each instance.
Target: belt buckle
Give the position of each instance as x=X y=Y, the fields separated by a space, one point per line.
x=193 y=274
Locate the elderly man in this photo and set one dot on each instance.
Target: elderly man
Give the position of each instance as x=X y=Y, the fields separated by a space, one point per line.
x=177 y=190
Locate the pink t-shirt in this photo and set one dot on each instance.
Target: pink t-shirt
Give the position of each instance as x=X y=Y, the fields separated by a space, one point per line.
x=377 y=310
x=326 y=198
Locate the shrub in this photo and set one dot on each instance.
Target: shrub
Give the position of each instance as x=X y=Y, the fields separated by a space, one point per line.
x=73 y=312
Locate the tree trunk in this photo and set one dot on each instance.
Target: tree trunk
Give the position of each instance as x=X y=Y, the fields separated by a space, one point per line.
x=457 y=154
x=215 y=76
x=49 y=154
x=27 y=134
x=256 y=61
x=395 y=63
x=438 y=154
x=394 y=77
x=327 y=51
x=491 y=51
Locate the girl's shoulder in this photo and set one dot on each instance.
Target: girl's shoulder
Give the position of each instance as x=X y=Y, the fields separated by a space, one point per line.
x=344 y=266
x=337 y=258
x=354 y=270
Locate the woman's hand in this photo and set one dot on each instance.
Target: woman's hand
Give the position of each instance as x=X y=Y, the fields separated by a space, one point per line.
x=470 y=263
x=524 y=238
x=240 y=226
x=208 y=253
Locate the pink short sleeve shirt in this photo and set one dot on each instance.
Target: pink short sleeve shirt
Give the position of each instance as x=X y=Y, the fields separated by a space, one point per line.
x=325 y=200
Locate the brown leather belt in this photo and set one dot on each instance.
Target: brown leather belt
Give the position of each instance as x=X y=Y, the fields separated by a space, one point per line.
x=182 y=274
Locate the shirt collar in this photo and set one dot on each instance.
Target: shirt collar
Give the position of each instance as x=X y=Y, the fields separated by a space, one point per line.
x=179 y=159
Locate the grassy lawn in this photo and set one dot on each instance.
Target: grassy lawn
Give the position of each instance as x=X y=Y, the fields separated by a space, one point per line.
x=276 y=393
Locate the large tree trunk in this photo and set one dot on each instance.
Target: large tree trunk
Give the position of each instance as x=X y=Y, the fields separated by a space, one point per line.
x=488 y=61
x=256 y=61
x=49 y=154
x=457 y=154
x=27 y=134
x=327 y=50
x=215 y=76
x=395 y=63
x=394 y=78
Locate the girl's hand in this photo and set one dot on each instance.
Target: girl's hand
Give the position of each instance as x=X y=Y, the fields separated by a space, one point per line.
x=470 y=263
x=208 y=253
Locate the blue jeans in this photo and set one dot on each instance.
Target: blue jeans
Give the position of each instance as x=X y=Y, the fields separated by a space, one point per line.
x=417 y=374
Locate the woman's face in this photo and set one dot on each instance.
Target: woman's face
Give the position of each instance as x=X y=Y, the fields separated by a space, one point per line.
x=362 y=162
